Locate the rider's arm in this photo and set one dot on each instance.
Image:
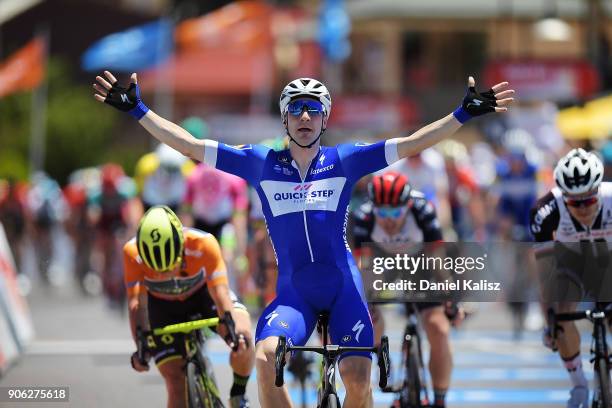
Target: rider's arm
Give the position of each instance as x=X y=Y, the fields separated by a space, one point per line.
x=543 y=221
x=544 y=218
x=426 y=218
x=173 y=135
x=136 y=294
x=427 y=136
x=216 y=274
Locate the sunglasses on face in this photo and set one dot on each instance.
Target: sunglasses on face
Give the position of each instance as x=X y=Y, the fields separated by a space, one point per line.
x=296 y=108
x=582 y=201
x=389 y=212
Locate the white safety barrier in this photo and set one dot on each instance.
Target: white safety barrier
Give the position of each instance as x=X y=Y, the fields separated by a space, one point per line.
x=16 y=328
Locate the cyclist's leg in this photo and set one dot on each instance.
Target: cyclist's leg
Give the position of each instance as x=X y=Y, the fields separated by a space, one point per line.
x=173 y=371
x=568 y=343
x=168 y=350
x=437 y=328
x=243 y=360
x=287 y=316
x=350 y=325
x=568 y=338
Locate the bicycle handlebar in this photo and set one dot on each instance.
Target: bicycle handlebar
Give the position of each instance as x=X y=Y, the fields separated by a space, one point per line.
x=186 y=327
x=382 y=352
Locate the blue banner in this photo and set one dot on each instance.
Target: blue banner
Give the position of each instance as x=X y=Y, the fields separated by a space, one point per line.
x=135 y=49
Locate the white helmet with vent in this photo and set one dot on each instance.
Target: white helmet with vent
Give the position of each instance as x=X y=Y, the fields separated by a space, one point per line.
x=307 y=87
x=579 y=172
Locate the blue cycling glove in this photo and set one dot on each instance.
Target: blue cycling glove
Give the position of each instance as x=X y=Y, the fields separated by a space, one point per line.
x=127 y=99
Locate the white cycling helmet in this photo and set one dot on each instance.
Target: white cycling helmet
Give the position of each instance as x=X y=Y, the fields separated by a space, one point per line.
x=305 y=87
x=579 y=172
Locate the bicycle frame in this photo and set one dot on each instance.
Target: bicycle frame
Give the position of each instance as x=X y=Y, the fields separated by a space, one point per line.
x=330 y=353
x=412 y=341
x=194 y=343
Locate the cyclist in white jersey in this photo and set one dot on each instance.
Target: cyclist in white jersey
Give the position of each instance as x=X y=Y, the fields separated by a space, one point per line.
x=578 y=210
x=305 y=192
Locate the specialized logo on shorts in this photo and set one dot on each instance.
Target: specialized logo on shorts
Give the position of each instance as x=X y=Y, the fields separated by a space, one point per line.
x=289 y=197
x=346 y=338
x=358 y=328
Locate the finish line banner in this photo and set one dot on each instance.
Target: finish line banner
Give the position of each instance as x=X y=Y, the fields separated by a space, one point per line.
x=492 y=272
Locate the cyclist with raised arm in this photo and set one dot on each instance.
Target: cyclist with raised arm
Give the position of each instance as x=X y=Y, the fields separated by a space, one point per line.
x=179 y=274
x=305 y=192
x=398 y=214
x=578 y=209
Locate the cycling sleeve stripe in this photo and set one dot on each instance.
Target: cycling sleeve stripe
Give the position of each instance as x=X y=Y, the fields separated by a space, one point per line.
x=210 y=152
x=391 y=154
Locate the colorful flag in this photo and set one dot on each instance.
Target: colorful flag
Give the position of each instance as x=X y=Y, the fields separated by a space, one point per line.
x=24 y=70
x=242 y=25
x=137 y=48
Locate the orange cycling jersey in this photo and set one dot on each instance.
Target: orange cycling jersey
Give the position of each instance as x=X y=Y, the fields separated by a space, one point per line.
x=202 y=265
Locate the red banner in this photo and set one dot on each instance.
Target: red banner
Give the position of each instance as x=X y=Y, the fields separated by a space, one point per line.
x=546 y=80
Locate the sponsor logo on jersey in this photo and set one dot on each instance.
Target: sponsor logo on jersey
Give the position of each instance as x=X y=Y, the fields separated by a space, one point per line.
x=346 y=338
x=321 y=170
x=321 y=159
x=362 y=144
x=277 y=168
x=283 y=158
x=287 y=172
x=193 y=252
x=283 y=324
x=289 y=197
x=541 y=215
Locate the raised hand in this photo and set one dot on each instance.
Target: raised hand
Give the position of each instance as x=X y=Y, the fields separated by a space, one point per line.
x=108 y=90
x=496 y=99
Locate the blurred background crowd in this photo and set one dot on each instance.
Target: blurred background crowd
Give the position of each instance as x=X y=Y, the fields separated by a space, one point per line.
x=75 y=172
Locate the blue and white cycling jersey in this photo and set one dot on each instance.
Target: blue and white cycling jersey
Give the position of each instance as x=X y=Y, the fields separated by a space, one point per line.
x=306 y=216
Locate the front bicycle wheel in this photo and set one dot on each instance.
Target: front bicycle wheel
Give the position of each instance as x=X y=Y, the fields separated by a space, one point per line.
x=603 y=377
x=411 y=394
x=201 y=392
